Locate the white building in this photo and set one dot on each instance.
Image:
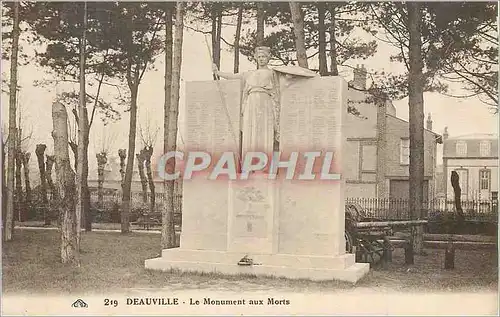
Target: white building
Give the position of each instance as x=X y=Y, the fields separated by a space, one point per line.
x=475 y=158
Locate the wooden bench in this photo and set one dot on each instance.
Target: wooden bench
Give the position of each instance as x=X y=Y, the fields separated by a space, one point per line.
x=370 y=238
x=148 y=220
x=151 y=219
x=402 y=223
x=367 y=235
x=447 y=242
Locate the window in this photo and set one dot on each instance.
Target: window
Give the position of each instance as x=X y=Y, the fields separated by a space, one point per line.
x=461 y=148
x=485 y=148
x=369 y=162
x=404 y=152
x=484 y=179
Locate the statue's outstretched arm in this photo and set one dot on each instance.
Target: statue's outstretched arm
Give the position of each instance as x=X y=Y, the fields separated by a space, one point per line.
x=225 y=75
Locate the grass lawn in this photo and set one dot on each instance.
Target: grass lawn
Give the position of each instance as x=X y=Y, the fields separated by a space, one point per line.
x=113 y=262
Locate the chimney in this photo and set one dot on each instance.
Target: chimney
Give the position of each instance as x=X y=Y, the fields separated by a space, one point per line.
x=429 y=122
x=445 y=134
x=359 y=81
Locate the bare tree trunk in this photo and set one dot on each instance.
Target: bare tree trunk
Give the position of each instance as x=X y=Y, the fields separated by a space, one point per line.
x=85 y=186
x=323 y=67
x=40 y=155
x=167 y=229
x=174 y=112
x=122 y=153
x=334 y=70
x=51 y=159
x=416 y=120
x=19 y=199
x=455 y=183
x=86 y=213
x=82 y=109
x=178 y=196
x=298 y=30
x=3 y=163
x=101 y=163
x=236 y=66
x=260 y=23
x=74 y=149
x=4 y=187
x=26 y=168
x=148 y=153
x=54 y=195
x=9 y=218
x=127 y=184
x=66 y=187
x=144 y=181
x=218 y=34
x=215 y=46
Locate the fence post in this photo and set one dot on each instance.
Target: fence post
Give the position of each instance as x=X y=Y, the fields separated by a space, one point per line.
x=449 y=256
x=387 y=254
x=409 y=258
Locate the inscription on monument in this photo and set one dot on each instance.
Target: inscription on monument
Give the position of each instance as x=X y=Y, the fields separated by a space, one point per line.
x=251 y=217
x=212 y=116
x=251 y=208
x=310 y=113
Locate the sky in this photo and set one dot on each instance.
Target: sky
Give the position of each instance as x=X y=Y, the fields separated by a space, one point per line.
x=461 y=116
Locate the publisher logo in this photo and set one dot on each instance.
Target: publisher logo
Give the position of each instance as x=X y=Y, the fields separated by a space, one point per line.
x=79 y=303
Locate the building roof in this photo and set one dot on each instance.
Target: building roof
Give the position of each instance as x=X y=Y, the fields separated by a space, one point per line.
x=439 y=138
x=476 y=136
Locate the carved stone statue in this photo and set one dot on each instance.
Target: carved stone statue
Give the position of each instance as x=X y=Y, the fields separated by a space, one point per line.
x=260 y=108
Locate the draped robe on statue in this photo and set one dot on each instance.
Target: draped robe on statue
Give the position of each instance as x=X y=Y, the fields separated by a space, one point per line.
x=260 y=111
x=261 y=106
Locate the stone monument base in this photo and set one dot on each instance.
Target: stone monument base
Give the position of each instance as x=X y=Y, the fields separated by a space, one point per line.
x=342 y=267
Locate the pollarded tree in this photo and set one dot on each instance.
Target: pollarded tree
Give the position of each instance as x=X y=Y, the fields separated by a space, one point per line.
x=49 y=165
x=141 y=158
x=40 y=155
x=148 y=139
x=103 y=149
x=148 y=153
x=102 y=159
x=66 y=187
x=122 y=154
x=23 y=142
x=26 y=169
